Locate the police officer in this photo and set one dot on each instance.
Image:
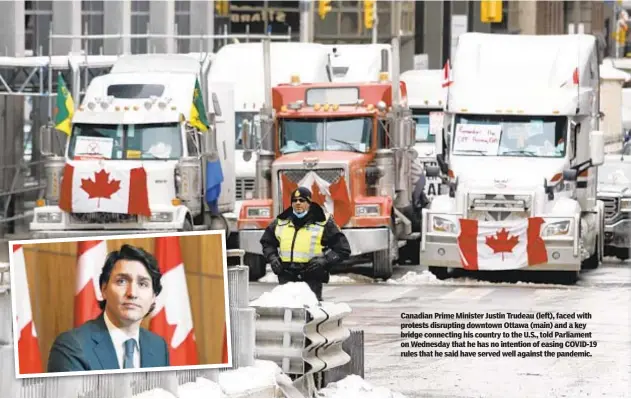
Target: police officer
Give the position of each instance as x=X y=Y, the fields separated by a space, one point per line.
x=303 y=243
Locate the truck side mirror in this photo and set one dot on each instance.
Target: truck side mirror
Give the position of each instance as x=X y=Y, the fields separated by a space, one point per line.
x=597 y=148
x=570 y=175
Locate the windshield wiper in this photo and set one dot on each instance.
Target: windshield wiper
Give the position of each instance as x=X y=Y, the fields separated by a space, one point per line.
x=483 y=153
x=520 y=152
x=349 y=145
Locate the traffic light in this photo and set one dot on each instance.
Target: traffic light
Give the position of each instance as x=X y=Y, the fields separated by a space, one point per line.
x=324 y=7
x=491 y=11
x=369 y=13
x=222 y=7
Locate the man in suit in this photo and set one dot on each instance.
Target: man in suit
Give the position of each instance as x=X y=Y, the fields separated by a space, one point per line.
x=130 y=284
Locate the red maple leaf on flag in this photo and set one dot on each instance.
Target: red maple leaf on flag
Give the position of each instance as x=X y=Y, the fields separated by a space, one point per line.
x=500 y=243
x=101 y=186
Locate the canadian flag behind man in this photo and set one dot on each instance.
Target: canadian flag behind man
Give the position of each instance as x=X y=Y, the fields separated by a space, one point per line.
x=30 y=360
x=90 y=259
x=91 y=186
x=172 y=317
x=515 y=246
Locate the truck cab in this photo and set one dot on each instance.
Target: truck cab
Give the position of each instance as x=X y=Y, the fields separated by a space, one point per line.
x=522 y=150
x=426 y=99
x=134 y=162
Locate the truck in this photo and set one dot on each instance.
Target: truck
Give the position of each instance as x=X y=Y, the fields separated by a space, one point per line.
x=235 y=63
x=135 y=162
x=426 y=99
x=519 y=155
x=614 y=190
x=351 y=144
x=359 y=62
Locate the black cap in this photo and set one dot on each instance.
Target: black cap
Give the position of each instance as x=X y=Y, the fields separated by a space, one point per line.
x=302 y=192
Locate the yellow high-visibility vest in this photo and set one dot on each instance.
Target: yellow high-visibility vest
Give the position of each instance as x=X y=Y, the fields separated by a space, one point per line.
x=306 y=246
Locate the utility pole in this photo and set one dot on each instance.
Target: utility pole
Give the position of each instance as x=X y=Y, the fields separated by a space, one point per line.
x=305 y=21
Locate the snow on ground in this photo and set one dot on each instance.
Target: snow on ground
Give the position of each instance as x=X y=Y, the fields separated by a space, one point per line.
x=201 y=387
x=250 y=379
x=354 y=386
x=290 y=295
x=347 y=278
x=157 y=393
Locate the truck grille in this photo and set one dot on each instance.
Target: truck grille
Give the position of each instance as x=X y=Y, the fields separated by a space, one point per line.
x=102 y=218
x=499 y=207
x=330 y=175
x=243 y=185
x=612 y=206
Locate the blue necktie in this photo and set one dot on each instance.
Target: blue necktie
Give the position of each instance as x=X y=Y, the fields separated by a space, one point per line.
x=128 y=360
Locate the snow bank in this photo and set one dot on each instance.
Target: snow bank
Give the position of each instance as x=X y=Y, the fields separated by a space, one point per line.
x=260 y=377
x=290 y=295
x=202 y=387
x=427 y=278
x=347 y=278
x=354 y=386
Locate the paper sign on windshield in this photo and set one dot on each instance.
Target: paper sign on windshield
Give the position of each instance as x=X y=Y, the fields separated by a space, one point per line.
x=94 y=147
x=482 y=139
x=435 y=123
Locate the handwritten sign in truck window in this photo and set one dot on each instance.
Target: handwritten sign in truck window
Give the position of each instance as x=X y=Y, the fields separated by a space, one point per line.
x=93 y=147
x=481 y=139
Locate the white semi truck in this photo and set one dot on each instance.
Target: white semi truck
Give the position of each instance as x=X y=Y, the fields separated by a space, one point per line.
x=134 y=162
x=242 y=65
x=426 y=99
x=520 y=154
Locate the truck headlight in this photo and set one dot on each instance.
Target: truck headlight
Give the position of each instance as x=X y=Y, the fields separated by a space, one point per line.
x=443 y=225
x=557 y=229
x=625 y=205
x=161 y=217
x=367 y=210
x=49 y=217
x=258 y=212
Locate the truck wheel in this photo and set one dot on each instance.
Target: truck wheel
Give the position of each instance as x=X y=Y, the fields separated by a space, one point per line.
x=256 y=264
x=441 y=273
x=187 y=226
x=622 y=254
x=381 y=264
x=593 y=261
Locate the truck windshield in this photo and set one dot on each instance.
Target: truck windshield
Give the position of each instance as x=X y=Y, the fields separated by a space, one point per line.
x=147 y=141
x=425 y=131
x=616 y=172
x=507 y=135
x=238 y=123
x=338 y=134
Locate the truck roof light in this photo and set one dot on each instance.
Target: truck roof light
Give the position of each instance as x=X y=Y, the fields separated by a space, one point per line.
x=173 y=107
x=164 y=102
x=117 y=108
x=426 y=102
x=509 y=111
x=126 y=108
x=316 y=107
x=325 y=107
x=463 y=110
x=383 y=76
x=440 y=102
x=555 y=112
x=499 y=111
x=381 y=106
x=370 y=107
x=335 y=107
x=136 y=108
x=91 y=106
x=520 y=111
x=283 y=108
x=295 y=79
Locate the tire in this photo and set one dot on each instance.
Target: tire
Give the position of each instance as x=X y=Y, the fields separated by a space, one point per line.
x=381 y=264
x=441 y=273
x=593 y=261
x=187 y=226
x=622 y=253
x=256 y=264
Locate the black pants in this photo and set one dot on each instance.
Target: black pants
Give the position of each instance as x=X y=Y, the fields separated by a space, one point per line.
x=315 y=285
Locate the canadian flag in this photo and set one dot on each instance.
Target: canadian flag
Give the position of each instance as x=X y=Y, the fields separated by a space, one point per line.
x=172 y=317
x=447 y=74
x=334 y=197
x=224 y=355
x=484 y=246
x=92 y=186
x=575 y=76
x=90 y=259
x=29 y=357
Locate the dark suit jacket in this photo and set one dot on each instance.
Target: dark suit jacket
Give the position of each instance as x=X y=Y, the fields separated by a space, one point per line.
x=89 y=347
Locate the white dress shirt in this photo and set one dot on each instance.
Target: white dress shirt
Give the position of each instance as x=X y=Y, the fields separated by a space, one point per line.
x=119 y=337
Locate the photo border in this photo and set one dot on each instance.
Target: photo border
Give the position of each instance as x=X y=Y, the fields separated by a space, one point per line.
x=16 y=336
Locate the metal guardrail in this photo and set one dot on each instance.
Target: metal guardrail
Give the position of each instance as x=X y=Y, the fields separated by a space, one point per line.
x=302 y=340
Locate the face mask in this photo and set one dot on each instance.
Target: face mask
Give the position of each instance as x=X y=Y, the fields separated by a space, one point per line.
x=300 y=215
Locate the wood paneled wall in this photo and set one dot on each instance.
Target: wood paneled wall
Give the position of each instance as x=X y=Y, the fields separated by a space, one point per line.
x=51 y=270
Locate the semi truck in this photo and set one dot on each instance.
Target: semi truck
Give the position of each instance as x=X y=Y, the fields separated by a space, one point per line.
x=519 y=155
x=426 y=99
x=351 y=144
x=242 y=65
x=135 y=161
